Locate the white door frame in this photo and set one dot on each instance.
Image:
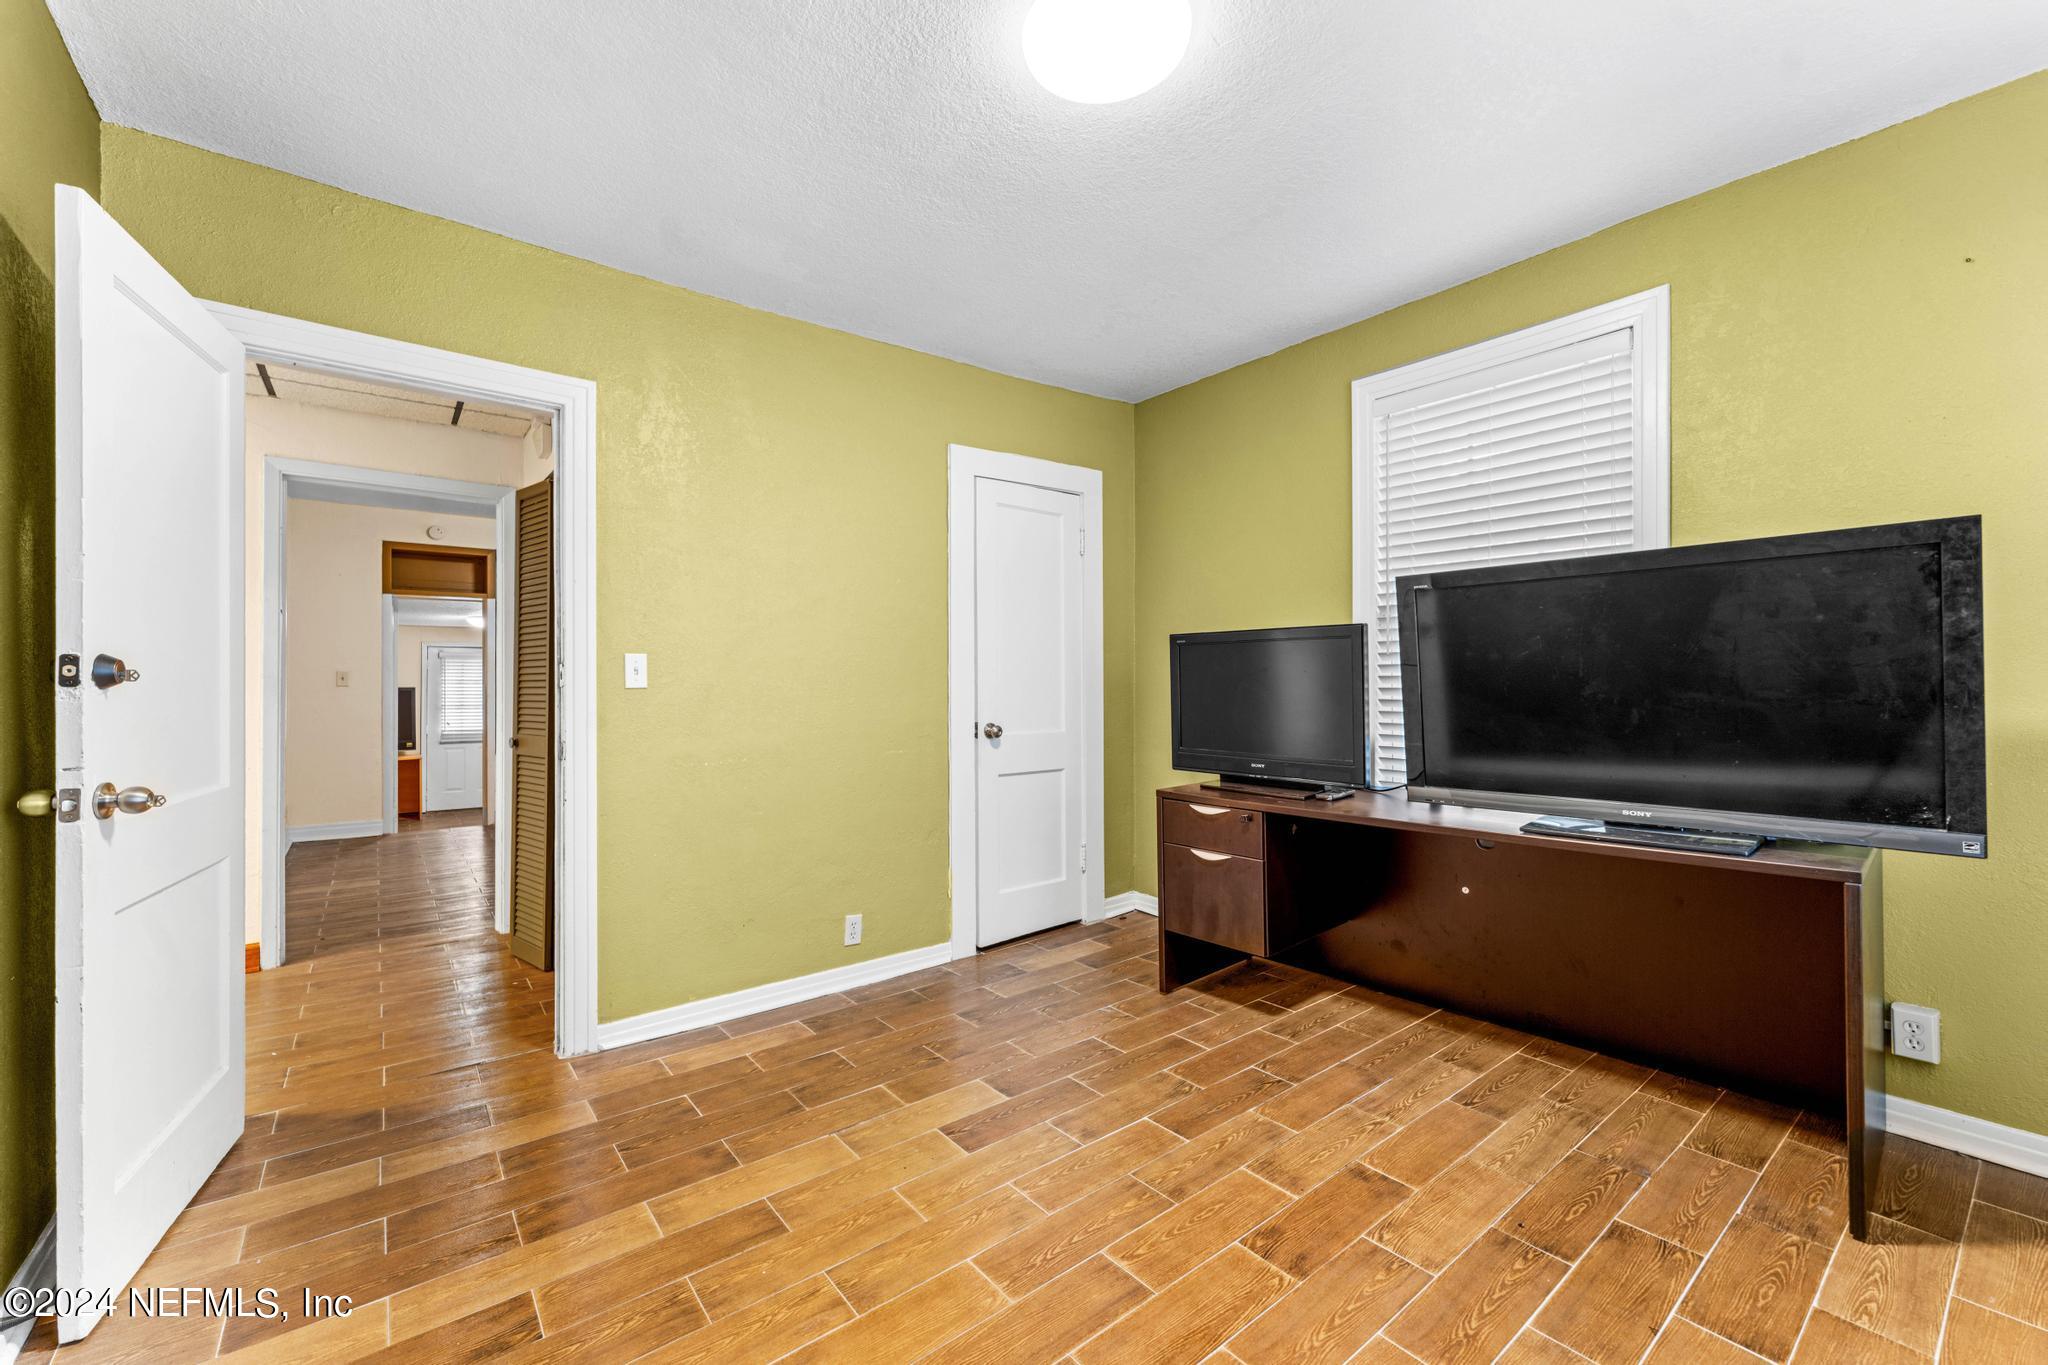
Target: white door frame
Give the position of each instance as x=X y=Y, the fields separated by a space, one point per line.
x=965 y=464
x=292 y=341
x=501 y=667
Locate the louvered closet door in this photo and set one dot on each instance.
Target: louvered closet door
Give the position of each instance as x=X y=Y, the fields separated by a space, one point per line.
x=533 y=732
x=1527 y=460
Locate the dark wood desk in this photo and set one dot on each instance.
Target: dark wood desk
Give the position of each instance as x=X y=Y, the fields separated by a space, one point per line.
x=1762 y=974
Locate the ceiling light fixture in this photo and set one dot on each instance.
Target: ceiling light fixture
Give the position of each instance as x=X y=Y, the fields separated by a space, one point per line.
x=1102 y=51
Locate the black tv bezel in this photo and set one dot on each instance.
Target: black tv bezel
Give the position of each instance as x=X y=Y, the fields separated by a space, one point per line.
x=1270 y=767
x=1960 y=544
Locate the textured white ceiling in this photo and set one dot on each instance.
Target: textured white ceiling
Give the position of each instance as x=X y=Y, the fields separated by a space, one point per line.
x=888 y=166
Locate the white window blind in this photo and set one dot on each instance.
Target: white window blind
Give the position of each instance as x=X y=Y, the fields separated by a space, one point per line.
x=460 y=684
x=1538 y=456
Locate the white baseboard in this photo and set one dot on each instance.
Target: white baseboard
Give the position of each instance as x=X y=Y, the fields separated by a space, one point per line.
x=1993 y=1142
x=1132 y=900
x=346 y=829
x=38 y=1271
x=719 y=1008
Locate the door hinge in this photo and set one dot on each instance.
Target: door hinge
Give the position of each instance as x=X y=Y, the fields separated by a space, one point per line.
x=67 y=670
x=1084 y=542
x=1084 y=857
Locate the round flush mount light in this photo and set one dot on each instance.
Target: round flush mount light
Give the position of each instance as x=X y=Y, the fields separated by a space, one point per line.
x=1102 y=51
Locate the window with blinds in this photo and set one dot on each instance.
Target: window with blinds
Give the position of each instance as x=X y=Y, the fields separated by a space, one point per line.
x=459 y=685
x=1534 y=446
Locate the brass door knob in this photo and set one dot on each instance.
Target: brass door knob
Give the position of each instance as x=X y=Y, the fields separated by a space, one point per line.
x=992 y=731
x=128 y=800
x=63 y=804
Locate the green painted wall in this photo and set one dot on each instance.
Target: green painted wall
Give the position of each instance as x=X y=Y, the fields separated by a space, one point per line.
x=771 y=531
x=51 y=136
x=1857 y=337
x=52 y=132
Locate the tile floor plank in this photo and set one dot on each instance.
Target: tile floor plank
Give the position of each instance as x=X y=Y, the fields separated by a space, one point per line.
x=1616 y=1298
x=1756 y=1287
x=1478 y=1305
x=1330 y=1316
x=1192 y=1316
x=1182 y=1237
x=1325 y=1220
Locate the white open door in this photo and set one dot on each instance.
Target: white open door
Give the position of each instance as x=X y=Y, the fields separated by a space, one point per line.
x=1031 y=759
x=150 y=874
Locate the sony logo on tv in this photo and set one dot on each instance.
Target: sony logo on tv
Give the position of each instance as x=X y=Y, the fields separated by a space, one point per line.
x=1626 y=811
x=1254 y=765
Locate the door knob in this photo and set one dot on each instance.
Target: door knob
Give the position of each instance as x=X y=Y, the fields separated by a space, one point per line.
x=108 y=671
x=64 y=803
x=128 y=800
x=992 y=730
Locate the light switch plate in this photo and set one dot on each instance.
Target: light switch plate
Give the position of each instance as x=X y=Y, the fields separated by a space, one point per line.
x=636 y=670
x=341 y=678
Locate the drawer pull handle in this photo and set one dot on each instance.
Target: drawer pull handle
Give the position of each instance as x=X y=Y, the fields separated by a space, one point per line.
x=1207 y=810
x=1208 y=857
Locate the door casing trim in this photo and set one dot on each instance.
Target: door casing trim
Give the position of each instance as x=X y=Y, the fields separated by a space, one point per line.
x=965 y=464
x=293 y=341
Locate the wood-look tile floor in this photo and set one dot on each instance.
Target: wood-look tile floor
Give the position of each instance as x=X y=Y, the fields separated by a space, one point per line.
x=1028 y=1156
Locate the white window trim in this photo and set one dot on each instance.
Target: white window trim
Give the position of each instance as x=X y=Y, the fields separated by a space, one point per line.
x=1647 y=313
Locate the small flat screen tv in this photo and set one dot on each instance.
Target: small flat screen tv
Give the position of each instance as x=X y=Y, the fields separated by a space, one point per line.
x=1283 y=705
x=1826 y=687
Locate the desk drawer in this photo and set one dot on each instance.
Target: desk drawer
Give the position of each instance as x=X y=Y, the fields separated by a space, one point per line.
x=1213 y=896
x=1220 y=829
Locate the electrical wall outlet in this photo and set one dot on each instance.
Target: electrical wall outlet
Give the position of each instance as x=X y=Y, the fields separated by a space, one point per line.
x=1916 y=1032
x=852 y=930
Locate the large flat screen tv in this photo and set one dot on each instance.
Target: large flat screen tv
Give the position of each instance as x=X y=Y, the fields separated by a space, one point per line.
x=1826 y=686
x=1283 y=705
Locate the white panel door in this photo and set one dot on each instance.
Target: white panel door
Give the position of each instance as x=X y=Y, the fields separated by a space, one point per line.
x=1031 y=815
x=149 y=896
x=453 y=747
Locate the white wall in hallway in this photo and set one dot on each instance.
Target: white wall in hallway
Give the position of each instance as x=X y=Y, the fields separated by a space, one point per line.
x=334 y=623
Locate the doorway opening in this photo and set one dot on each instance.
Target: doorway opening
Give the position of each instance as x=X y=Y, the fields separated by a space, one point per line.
x=437 y=653
x=1025 y=695
x=535 y=585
